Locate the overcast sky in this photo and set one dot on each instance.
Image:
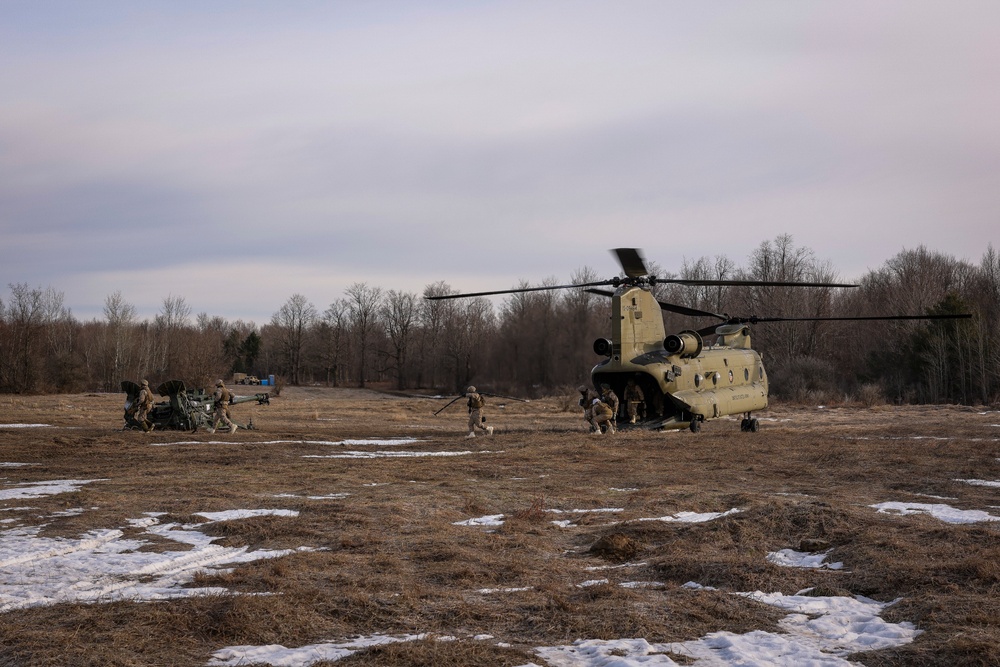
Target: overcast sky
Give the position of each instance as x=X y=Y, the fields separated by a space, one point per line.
x=237 y=153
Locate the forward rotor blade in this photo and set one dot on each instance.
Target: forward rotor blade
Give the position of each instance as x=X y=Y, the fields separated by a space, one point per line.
x=631 y=261
x=670 y=307
x=514 y=291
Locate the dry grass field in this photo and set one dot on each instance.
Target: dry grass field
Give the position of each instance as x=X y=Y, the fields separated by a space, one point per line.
x=124 y=564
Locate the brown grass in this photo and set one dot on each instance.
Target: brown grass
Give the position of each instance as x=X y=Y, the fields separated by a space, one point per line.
x=391 y=560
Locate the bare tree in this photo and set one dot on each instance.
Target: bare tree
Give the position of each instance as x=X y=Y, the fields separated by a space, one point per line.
x=400 y=314
x=292 y=323
x=334 y=333
x=119 y=340
x=363 y=305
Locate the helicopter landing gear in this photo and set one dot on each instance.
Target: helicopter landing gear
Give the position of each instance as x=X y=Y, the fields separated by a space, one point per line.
x=749 y=424
x=695 y=423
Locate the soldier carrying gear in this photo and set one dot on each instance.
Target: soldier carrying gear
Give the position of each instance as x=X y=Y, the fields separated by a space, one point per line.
x=634 y=400
x=611 y=400
x=220 y=401
x=587 y=397
x=144 y=403
x=603 y=417
x=477 y=417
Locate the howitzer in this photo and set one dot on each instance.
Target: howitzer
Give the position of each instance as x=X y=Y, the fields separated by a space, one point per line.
x=183 y=410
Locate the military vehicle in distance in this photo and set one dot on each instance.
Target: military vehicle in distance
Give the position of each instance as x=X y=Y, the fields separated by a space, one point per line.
x=183 y=410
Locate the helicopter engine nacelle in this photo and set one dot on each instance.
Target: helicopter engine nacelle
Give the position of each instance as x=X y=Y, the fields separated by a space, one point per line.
x=686 y=344
x=602 y=346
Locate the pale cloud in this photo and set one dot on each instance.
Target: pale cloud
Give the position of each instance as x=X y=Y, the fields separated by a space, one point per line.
x=158 y=146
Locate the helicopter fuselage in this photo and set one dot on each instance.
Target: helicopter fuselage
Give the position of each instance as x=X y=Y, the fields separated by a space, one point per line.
x=683 y=382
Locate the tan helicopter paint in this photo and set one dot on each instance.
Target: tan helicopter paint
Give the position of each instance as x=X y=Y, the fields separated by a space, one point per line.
x=694 y=383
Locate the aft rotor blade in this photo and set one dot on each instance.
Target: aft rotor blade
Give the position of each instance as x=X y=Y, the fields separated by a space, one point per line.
x=755 y=320
x=747 y=283
x=631 y=261
x=515 y=291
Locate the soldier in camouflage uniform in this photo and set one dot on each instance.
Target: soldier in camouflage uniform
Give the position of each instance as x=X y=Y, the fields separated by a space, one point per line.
x=477 y=417
x=634 y=400
x=587 y=397
x=220 y=401
x=610 y=399
x=603 y=417
x=144 y=403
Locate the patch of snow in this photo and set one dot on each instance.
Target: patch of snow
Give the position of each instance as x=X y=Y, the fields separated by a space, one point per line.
x=39 y=489
x=693 y=517
x=25 y=425
x=390 y=455
x=939 y=511
x=103 y=565
x=792 y=558
x=592 y=582
x=489 y=520
x=980 y=482
x=279 y=656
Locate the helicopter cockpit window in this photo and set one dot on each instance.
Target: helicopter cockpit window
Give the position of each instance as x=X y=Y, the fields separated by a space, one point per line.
x=760 y=372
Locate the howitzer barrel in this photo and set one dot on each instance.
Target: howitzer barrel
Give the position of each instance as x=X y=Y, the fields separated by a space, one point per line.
x=262 y=399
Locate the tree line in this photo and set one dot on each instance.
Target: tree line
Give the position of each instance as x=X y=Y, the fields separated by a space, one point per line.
x=541 y=342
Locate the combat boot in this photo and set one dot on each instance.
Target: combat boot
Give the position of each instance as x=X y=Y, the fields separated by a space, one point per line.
x=232 y=429
x=489 y=430
x=472 y=434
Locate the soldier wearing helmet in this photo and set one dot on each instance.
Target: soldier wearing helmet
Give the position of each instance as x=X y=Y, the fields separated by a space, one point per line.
x=220 y=401
x=587 y=396
x=610 y=398
x=477 y=417
x=144 y=403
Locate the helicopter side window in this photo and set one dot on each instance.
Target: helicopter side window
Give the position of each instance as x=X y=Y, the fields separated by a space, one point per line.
x=760 y=371
x=715 y=378
x=746 y=374
x=697 y=380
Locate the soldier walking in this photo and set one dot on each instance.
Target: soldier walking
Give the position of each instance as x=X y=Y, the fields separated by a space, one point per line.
x=634 y=400
x=144 y=403
x=221 y=399
x=477 y=417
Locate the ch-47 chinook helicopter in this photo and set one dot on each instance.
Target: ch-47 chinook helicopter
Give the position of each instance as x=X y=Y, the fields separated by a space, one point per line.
x=684 y=381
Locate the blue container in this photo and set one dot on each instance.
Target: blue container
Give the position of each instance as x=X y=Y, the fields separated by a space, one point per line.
x=270 y=380
x=263 y=383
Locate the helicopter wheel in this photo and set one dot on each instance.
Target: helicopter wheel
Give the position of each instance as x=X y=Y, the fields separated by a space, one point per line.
x=744 y=425
x=753 y=426
x=695 y=425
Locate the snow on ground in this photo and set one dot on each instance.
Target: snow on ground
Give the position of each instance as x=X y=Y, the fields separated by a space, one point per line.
x=25 y=425
x=380 y=442
x=792 y=558
x=979 y=482
x=943 y=512
x=817 y=632
x=107 y=564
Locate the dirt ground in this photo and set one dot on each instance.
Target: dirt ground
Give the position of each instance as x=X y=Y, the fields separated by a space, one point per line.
x=387 y=554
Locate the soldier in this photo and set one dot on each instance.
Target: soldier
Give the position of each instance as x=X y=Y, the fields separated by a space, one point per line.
x=587 y=396
x=477 y=418
x=144 y=403
x=603 y=417
x=610 y=398
x=221 y=399
x=634 y=400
